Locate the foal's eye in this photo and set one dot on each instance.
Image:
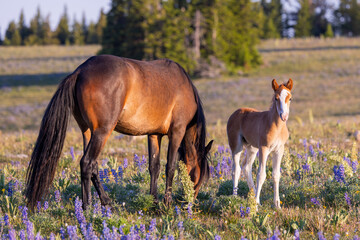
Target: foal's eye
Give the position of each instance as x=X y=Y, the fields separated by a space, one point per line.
x=290 y=99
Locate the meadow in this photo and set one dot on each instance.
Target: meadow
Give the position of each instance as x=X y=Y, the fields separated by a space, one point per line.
x=319 y=186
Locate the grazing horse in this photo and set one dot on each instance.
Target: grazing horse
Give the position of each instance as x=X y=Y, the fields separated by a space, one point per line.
x=265 y=131
x=107 y=93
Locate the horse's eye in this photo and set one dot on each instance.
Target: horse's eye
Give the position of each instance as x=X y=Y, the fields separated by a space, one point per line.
x=290 y=99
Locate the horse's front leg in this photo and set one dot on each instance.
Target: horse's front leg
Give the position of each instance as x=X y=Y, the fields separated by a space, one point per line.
x=176 y=135
x=278 y=154
x=261 y=176
x=154 y=144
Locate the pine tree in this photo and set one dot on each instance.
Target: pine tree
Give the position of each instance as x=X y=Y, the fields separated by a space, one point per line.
x=47 y=35
x=77 y=35
x=23 y=29
x=237 y=36
x=34 y=36
x=92 y=37
x=303 y=25
x=123 y=34
x=101 y=24
x=348 y=16
x=176 y=28
x=62 y=30
x=329 y=32
x=84 y=27
x=12 y=35
x=273 y=25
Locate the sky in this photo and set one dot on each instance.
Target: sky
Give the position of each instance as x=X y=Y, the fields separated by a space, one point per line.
x=10 y=10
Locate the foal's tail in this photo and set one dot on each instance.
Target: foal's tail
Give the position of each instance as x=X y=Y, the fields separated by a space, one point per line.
x=50 y=141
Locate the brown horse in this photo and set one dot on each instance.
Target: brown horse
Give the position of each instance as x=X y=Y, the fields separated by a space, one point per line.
x=264 y=132
x=107 y=93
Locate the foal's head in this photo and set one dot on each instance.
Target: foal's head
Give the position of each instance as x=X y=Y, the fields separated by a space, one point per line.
x=282 y=98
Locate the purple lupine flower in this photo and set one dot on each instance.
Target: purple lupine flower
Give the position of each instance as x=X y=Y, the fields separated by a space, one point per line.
x=325 y=159
x=171 y=237
x=354 y=165
x=180 y=226
x=24 y=213
x=242 y=238
x=218 y=169
x=79 y=213
x=142 y=228
x=315 y=201
x=248 y=210
x=71 y=230
x=224 y=166
x=38 y=236
x=339 y=173
x=152 y=226
x=101 y=175
x=46 y=205
x=30 y=230
x=347 y=199
x=306 y=167
x=336 y=236
x=72 y=153
x=38 y=206
x=221 y=149
x=121 y=231
x=6 y=220
x=298 y=174
x=304 y=143
x=212 y=171
x=57 y=196
x=143 y=161
x=137 y=161
x=189 y=210
x=22 y=234
x=90 y=232
x=106 y=175
x=242 y=213
x=104 y=162
x=296 y=235
x=125 y=165
x=97 y=209
x=10 y=189
x=106 y=211
x=115 y=174
x=311 y=150
x=217 y=237
x=321 y=236
x=120 y=172
x=62 y=233
x=106 y=232
x=177 y=211
x=52 y=236
x=12 y=234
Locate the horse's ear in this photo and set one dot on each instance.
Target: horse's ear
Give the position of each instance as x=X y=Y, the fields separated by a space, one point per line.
x=274 y=85
x=289 y=84
x=208 y=147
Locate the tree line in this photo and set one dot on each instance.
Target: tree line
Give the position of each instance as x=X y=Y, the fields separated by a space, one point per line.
x=38 y=32
x=192 y=32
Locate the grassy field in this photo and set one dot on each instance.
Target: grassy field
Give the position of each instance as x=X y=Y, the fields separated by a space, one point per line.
x=317 y=197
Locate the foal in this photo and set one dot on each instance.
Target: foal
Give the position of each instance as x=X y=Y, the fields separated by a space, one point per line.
x=265 y=131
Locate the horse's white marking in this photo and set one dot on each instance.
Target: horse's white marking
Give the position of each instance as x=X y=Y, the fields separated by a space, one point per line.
x=283 y=109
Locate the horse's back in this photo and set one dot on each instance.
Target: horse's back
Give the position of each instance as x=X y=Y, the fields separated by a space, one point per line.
x=137 y=97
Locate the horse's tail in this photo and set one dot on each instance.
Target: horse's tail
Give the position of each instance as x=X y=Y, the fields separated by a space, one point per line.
x=50 y=141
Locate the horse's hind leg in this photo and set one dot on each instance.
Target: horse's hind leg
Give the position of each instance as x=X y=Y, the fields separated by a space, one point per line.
x=154 y=144
x=89 y=168
x=236 y=146
x=249 y=161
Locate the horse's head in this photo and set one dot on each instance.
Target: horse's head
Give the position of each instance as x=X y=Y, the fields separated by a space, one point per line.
x=282 y=98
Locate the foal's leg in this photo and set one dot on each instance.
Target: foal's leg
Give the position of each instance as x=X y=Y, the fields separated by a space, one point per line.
x=176 y=135
x=276 y=174
x=261 y=176
x=154 y=144
x=250 y=158
x=236 y=149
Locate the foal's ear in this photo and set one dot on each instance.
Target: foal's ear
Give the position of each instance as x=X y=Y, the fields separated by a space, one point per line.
x=274 y=84
x=289 y=84
x=208 y=147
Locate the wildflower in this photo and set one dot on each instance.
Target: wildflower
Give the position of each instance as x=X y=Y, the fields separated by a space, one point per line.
x=189 y=210
x=22 y=234
x=125 y=163
x=6 y=220
x=120 y=172
x=315 y=201
x=57 y=196
x=12 y=234
x=106 y=211
x=171 y=237
x=242 y=213
x=296 y=235
x=180 y=226
x=79 y=211
x=217 y=237
x=72 y=153
x=306 y=167
x=62 y=233
x=29 y=230
x=337 y=236
x=177 y=211
x=46 y=205
x=106 y=232
x=52 y=236
x=339 y=173
x=221 y=149
x=10 y=189
x=248 y=210
x=311 y=150
x=38 y=206
x=152 y=226
x=347 y=199
x=72 y=232
x=121 y=231
x=38 y=236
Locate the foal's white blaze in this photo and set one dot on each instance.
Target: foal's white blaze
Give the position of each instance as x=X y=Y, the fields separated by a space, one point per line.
x=283 y=109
